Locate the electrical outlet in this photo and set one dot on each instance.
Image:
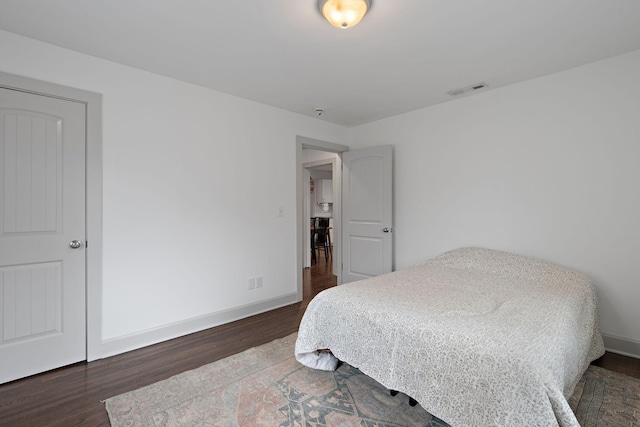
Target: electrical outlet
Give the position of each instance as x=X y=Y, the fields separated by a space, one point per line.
x=251 y=283
x=259 y=282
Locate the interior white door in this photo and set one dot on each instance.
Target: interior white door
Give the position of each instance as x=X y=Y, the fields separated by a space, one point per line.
x=42 y=233
x=367 y=213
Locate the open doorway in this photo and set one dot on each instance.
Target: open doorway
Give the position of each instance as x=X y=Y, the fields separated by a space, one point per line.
x=320 y=161
x=362 y=209
x=319 y=264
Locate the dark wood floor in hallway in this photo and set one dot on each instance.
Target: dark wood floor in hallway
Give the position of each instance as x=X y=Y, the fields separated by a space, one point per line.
x=72 y=396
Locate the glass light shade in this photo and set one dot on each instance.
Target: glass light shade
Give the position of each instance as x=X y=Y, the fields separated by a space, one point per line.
x=343 y=13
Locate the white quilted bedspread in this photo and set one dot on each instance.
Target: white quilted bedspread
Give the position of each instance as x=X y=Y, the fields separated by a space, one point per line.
x=477 y=337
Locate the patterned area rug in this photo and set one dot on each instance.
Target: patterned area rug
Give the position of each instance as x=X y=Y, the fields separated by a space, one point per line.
x=266 y=386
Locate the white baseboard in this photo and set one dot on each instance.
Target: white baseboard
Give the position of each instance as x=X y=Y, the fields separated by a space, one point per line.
x=125 y=343
x=624 y=346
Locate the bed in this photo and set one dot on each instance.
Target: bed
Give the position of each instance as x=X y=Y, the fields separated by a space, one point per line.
x=478 y=337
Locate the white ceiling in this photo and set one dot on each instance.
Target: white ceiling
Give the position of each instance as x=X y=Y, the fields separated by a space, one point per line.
x=404 y=55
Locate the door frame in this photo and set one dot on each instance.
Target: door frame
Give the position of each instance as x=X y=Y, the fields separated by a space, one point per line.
x=302 y=143
x=93 y=191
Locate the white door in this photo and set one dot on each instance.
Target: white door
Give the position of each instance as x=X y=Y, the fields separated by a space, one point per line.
x=367 y=213
x=42 y=211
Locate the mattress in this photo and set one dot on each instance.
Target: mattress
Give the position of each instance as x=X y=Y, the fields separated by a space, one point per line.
x=478 y=337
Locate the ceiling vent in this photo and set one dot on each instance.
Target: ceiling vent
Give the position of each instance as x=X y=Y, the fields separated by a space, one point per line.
x=468 y=89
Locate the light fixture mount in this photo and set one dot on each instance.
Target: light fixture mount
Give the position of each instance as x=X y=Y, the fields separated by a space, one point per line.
x=343 y=13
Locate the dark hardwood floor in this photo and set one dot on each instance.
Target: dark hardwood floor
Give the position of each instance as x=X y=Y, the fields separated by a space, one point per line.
x=619 y=363
x=72 y=396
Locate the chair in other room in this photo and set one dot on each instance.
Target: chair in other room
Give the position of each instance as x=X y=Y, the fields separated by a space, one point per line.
x=321 y=238
x=313 y=241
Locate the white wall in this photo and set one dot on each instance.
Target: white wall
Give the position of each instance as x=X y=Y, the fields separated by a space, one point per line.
x=310 y=155
x=193 y=183
x=549 y=167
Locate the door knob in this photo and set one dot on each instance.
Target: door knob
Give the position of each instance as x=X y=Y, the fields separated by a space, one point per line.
x=75 y=244
x=386 y=230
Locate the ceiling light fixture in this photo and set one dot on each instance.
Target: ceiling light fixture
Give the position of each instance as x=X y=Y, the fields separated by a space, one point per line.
x=344 y=13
